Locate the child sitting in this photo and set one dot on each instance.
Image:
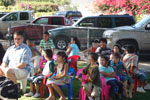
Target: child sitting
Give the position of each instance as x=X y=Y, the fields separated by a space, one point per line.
x=95 y=45
x=36 y=55
x=130 y=59
x=37 y=79
x=93 y=82
x=103 y=49
x=116 y=48
x=121 y=71
x=61 y=77
x=142 y=78
x=108 y=73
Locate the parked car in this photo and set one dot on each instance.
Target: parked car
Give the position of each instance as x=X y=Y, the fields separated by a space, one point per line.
x=13 y=19
x=75 y=15
x=94 y=25
x=137 y=35
x=3 y=13
x=36 y=28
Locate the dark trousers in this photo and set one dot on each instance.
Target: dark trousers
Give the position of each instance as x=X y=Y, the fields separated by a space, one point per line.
x=116 y=86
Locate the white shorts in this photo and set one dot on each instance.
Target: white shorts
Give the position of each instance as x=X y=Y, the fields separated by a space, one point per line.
x=19 y=73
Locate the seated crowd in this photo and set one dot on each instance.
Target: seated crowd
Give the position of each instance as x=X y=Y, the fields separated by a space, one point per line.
x=102 y=63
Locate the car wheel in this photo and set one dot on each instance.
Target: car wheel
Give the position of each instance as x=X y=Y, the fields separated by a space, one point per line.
x=61 y=43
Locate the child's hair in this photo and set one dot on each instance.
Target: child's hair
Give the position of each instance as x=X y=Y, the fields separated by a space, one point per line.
x=117 y=55
x=46 y=33
x=106 y=59
x=20 y=33
x=130 y=49
x=76 y=41
x=63 y=54
x=49 y=53
x=96 y=41
x=30 y=43
x=119 y=47
x=103 y=40
x=94 y=56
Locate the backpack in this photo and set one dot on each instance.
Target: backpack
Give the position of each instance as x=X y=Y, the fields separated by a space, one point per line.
x=8 y=89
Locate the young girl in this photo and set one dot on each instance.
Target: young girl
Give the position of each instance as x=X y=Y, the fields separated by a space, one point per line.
x=108 y=73
x=37 y=79
x=116 y=48
x=93 y=84
x=73 y=47
x=60 y=78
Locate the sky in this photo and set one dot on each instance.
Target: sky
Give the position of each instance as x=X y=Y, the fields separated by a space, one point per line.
x=85 y=6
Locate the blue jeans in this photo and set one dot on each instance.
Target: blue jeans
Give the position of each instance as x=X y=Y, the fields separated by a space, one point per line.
x=115 y=83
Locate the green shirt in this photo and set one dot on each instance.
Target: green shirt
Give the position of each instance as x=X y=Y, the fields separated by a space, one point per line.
x=46 y=45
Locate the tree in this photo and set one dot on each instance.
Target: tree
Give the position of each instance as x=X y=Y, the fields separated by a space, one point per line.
x=6 y=3
x=132 y=7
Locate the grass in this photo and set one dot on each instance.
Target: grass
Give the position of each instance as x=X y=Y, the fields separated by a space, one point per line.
x=76 y=88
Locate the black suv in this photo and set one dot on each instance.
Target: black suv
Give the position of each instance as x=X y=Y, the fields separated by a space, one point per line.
x=106 y=21
x=94 y=25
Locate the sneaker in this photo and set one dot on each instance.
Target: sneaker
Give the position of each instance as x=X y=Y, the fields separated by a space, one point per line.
x=138 y=89
x=142 y=90
x=36 y=95
x=147 y=87
x=29 y=94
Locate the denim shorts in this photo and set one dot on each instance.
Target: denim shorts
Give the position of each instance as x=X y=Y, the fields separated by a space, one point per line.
x=36 y=79
x=123 y=78
x=130 y=79
x=141 y=77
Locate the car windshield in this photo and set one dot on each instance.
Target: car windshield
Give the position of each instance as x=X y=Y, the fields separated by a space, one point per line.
x=77 y=22
x=142 y=22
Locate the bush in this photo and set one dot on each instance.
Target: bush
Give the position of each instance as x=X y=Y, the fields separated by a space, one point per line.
x=7 y=3
x=40 y=8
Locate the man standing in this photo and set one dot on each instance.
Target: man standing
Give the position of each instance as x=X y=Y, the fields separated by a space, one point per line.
x=17 y=60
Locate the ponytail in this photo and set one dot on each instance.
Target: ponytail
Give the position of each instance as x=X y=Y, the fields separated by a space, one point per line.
x=77 y=42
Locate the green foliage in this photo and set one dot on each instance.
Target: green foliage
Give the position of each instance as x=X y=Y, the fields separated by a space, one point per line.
x=7 y=3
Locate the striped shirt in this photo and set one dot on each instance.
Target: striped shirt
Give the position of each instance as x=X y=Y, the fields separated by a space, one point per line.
x=130 y=60
x=46 y=45
x=103 y=51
